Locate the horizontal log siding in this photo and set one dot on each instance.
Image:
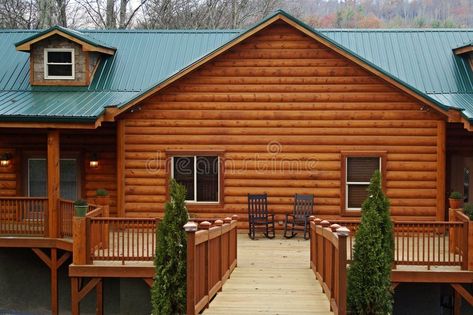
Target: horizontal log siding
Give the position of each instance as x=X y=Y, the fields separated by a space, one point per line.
x=22 y=142
x=282 y=87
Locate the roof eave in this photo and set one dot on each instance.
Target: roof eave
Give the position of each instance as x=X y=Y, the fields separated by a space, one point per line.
x=463 y=49
x=87 y=45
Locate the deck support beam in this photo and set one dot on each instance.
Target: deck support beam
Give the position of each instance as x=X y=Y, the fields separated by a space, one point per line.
x=53 y=264
x=460 y=292
x=79 y=291
x=53 y=183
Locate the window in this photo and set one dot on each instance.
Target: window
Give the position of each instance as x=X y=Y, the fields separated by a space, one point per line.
x=200 y=175
x=59 y=63
x=38 y=174
x=358 y=168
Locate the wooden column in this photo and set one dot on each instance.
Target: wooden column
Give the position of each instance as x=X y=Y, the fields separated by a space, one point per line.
x=54 y=293
x=120 y=168
x=53 y=264
x=53 y=182
x=441 y=164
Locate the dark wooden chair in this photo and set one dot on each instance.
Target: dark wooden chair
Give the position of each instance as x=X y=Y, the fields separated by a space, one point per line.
x=299 y=218
x=259 y=217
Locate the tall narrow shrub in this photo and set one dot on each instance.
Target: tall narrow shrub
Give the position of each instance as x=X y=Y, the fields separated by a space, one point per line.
x=369 y=283
x=168 y=295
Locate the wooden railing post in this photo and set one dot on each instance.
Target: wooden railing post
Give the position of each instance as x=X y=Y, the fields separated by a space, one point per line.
x=342 y=233
x=79 y=245
x=451 y=233
x=190 y=228
x=235 y=218
x=465 y=246
x=206 y=226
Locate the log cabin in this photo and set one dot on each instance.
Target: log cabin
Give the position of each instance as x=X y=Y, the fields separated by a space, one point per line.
x=280 y=108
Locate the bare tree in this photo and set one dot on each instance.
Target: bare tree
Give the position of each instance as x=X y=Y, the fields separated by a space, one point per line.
x=111 y=14
x=187 y=14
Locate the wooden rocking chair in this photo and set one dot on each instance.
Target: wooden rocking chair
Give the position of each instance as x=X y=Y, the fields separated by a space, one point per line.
x=299 y=219
x=259 y=217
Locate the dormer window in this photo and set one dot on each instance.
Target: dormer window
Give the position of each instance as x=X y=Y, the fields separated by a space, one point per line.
x=59 y=63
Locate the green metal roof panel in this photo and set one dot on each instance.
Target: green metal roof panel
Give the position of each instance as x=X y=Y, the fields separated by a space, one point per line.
x=421 y=58
x=74 y=33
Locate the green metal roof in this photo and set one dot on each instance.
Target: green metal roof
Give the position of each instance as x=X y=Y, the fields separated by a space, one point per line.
x=422 y=60
x=89 y=39
x=142 y=59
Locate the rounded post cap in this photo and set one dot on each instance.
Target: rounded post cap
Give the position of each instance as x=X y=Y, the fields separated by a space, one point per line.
x=227 y=220
x=235 y=217
x=190 y=226
x=325 y=223
x=205 y=225
x=343 y=231
x=218 y=222
x=317 y=221
x=311 y=218
x=334 y=227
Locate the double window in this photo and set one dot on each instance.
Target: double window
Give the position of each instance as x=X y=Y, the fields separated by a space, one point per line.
x=200 y=175
x=358 y=168
x=38 y=174
x=59 y=63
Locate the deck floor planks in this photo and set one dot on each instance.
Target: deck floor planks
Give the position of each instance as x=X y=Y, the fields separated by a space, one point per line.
x=272 y=277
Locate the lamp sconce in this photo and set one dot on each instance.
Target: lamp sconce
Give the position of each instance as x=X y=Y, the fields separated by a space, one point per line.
x=94 y=161
x=5 y=159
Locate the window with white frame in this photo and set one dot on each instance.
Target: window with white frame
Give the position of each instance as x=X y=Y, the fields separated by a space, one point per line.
x=200 y=175
x=359 y=171
x=59 y=63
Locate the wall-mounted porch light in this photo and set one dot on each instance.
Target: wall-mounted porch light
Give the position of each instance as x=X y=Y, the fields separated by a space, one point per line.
x=5 y=159
x=94 y=161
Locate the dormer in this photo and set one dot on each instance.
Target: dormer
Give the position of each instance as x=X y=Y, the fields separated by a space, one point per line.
x=465 y=51
x=61 y=56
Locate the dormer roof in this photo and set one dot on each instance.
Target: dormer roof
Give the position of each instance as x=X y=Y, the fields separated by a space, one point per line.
x=88 y=42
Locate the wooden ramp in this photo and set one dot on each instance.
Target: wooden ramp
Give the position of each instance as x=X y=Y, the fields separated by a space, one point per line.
x=272 y=277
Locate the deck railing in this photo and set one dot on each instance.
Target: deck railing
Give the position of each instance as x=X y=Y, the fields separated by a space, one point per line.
x=121 y=239
x=100 y=237
x=211 y=258
x=328 y=260
x=422 y=243
x=23 y=216
x=66 y=212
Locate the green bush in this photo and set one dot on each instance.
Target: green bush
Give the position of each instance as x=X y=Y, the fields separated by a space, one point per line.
x=468 y=209
x=101 y=192
x=456 y=195
x=369 y=283
x=168 y=294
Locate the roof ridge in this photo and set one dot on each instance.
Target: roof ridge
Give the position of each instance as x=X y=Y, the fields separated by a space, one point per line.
x=396 y=30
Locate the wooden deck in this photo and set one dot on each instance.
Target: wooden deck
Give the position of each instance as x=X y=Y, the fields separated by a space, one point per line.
x=272 y=277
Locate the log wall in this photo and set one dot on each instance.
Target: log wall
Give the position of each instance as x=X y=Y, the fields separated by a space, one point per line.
x=282 y=107
x=78 y=144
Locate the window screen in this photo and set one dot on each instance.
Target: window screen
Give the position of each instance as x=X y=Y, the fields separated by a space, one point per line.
x=38 y=174
x=200 y=176
x=183 y=168
x=358 y=175
x=207 y=178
